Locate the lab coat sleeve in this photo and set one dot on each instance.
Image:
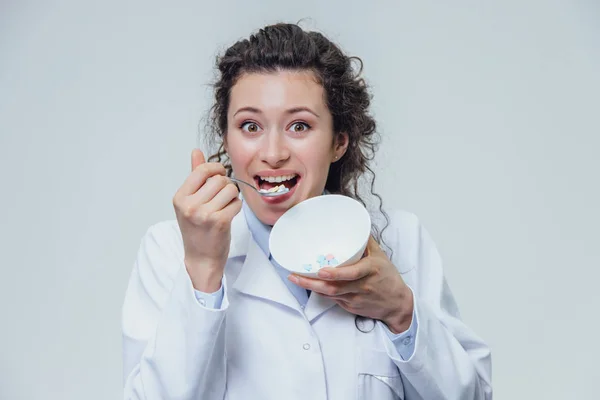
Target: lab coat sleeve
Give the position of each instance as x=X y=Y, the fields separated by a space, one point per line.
x=449 y=360
x=173 y=347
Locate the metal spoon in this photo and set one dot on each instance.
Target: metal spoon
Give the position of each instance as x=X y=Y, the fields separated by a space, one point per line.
x=265 y=194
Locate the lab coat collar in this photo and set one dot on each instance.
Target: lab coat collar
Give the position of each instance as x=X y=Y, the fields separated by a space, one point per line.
x=259 y=231
x=240 y=235
x=258 y=277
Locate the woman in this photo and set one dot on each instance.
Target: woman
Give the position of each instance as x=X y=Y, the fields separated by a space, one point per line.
x=209 y=314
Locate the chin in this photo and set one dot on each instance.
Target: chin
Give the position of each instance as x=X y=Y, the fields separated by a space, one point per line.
x=270 y=217
x=268 y=212
x=271 y=220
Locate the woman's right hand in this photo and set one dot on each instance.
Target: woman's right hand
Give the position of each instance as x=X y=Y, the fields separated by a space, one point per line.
x=205 y=205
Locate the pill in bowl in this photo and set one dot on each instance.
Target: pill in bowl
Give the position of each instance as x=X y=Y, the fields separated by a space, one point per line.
x=321 y=261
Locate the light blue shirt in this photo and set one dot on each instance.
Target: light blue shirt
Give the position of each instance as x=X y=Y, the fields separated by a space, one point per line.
x=404 y=342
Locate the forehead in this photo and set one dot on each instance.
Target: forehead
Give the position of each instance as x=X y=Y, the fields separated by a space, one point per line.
x=279 y=90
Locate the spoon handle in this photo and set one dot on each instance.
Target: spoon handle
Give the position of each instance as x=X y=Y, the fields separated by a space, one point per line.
x=245 y=183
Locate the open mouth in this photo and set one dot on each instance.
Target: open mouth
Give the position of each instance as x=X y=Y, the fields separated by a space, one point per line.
x=269 y=182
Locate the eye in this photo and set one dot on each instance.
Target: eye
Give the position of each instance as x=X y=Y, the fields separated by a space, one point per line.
x=250 y=127
x=299 y=127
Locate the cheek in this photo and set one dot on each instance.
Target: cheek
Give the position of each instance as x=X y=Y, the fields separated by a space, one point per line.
x=319 y=153
x=239 y=152
x=317 y=162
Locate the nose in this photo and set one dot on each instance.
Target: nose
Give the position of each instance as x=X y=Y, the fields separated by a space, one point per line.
x=274 y=151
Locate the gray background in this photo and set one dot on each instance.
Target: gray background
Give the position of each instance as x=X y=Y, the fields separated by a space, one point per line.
x=490 y=123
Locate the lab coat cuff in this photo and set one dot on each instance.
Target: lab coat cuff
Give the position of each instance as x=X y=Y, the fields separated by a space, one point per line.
x=210 y=300
x=186 y=294
x=409 y=359
x=405 y=341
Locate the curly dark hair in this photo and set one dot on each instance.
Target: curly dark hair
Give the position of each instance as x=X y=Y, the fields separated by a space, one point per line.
x=289 y=47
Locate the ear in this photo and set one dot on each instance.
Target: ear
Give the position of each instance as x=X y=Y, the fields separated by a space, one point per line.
x=225 y=147
x=340 y=145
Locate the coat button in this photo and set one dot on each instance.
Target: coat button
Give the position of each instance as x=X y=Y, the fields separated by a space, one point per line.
x=306 y=346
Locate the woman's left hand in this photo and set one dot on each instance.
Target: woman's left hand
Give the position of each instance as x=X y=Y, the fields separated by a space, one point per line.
x=371 y=288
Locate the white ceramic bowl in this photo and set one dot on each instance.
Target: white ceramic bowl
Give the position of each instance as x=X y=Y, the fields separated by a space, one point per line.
x=320 y=226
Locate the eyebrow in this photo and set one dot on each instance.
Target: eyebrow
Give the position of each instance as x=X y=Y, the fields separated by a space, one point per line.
x=293 y=110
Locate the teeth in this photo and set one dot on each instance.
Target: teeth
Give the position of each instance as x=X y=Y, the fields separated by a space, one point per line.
x=275 y=189
x=277 y=179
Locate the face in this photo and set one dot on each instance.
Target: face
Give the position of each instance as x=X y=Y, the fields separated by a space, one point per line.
x=280 y=131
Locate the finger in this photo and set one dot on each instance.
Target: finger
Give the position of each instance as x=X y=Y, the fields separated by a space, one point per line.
x=347 y=299
x=373 y=247
x=325 y=288
x=352 y=272
x=199 y=176
x=197 y=158
x=209 y=190
x=230 y=210
x=223 y=198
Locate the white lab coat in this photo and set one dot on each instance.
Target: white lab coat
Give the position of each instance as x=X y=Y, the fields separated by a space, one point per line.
x=262 y=345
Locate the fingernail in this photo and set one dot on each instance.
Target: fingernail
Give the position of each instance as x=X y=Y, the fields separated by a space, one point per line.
x=293 y=278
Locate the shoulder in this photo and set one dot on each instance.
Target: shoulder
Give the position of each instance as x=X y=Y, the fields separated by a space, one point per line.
x=161 y=253
x=164 y=231
x=405 y=239
x=164 y=236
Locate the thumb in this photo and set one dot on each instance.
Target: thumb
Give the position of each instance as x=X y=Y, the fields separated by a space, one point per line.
x=197 y=158
x=372 y=247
